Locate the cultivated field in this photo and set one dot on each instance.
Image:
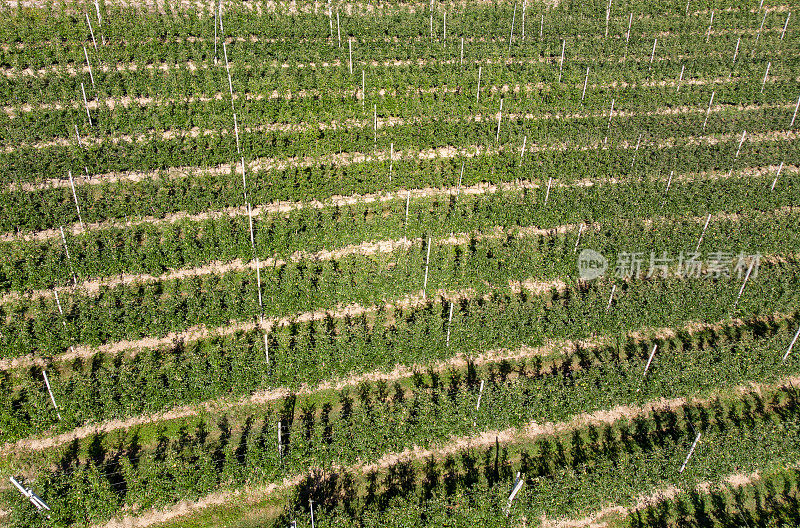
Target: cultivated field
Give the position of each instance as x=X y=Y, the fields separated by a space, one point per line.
x=334 y=263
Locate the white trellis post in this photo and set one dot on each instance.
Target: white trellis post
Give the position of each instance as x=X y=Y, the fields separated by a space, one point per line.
x=694 y=444
x=758 y=35
x=86 y=104
x=680 y=79
x=708 y=33
x=736 y=51
x=541 y=27
x=776 y=177
x=766 y=73
x=391 y=159
x=478 y=95
x=522 y=35
x=228 y=70
x=796 y=106
x=789 y=350
x=708 y=111
x=338 y=29
x=499 y=117
x=628 y=33
x=31 y=496
x=449 y=323
x=522 y=153
x=69 y=261
x=739 y=149
x=216 y=38
x=610 y=114
x=561 y=62
x=578 y=240
x=99 y=22
x=50 y=391
x=608 y=17
x=585 y=83
x=669 y=182
x=649 y=360
x=427 y=263
x=514 y=490
x=236 y=131
x=350 y=47
x=244 y=181
x=444 y=26
x=408 y=200
x=330 y=18
x=460 y=177
x=375 y=120
x=513 y=19
x=547 y=194
x=636 y=150
x=652 y=55
x=258 y=278
x=91 y=31
x=250 y=219
x=75 y=197
x=786 y=24
x=88 y=65
x=746 y=277
x=687 y=7
x=461 y=63
x=266 y=343
x=702 y=233
x=611 y=297
x=363 y=88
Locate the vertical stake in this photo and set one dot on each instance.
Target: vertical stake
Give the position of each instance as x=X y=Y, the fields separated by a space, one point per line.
x=513 y=19
x=478 y=96
x=636 y=150
x=338 y=28
x=796 y=106
x=547 y=194
x=91 y=31
x=710 y=102
x=258 y=278
x=652 y=55
x=783 y=32
x=776 y=177
x=460 y=177
x=669 y=182
x=694 y=444
x=702 y=233
x=680 y=79
x=449 y=322
x=462 y=52
x=391 y=159
x=608 y=17
x=408 y=200
x=611 y=297
x=610 y=114
x=766 y=73
x=578 y=240
x=236 y=131
x=561 y=62
x=427 y=262
x=747 y=276
x=252 y=239
x=350 y=47
x=91 y=76
x=522 y=154
x=628 y=33
x=744 y=133
x=758 y=35
x=499 y=117
x=75 y=197
x=786 y=355
x=541 y=27
x=708 y=33
x=86 y=104
x=585 y=82
x=363 y=88
x=49 y=390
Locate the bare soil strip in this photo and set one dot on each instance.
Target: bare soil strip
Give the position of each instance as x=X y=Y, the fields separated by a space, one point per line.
x=143 y=101
x=401 y=194
x=485 y=439
x=349 y=158
x=75 y=69
x=380 y=123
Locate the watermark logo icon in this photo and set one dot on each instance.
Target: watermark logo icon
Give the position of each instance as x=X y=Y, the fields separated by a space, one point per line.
x=591 y=264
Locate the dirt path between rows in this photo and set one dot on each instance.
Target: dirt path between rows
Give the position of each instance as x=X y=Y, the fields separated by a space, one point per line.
x=349 y=158
x=401 y=194
x=485 y=439
x=74 y=69
x=380 y=123
x=459 y=361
